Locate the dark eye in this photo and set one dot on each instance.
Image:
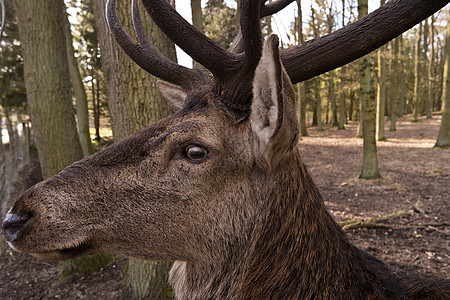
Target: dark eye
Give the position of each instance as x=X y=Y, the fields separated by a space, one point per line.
x=195 y=153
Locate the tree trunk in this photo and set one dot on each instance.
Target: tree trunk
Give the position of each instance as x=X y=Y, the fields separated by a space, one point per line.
x=318 y=103
x=301 y=95
x=443 y=140
x=393 y=94
x=332 y=97
x=78 y=90
x=47 y=81
x=197 y=19
x=381 y=93
x=367 y=99
x=416 y=95
x=401 y=62
x=429 y=105
x=342 y=110
x=134 y=103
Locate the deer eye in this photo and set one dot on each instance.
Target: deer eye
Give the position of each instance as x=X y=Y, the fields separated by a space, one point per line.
x=195 y=153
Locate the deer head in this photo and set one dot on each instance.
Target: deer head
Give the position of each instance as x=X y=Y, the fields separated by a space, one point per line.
x=201 y=185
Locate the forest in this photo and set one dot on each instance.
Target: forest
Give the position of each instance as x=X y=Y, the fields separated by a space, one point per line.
x=375 y=133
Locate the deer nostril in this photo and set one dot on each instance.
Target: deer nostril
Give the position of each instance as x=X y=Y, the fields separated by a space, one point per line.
x=13 y=223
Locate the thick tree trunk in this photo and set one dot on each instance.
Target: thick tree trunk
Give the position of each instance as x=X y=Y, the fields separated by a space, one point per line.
x=79 y=91
x=47 y=83
x=443 y=140
x=134 y=103
x=367 y=99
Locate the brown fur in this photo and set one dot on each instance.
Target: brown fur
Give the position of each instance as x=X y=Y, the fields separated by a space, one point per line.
x=246 y=222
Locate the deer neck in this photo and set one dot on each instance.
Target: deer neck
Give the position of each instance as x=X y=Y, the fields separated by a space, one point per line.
x=295 y=250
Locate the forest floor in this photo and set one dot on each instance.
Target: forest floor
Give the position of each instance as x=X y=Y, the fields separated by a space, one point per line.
x=413 y=174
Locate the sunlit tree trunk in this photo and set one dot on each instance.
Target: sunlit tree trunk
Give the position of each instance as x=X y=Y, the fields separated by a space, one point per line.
x=443 y=139
x=367 y=98
x=134 y=103
x=416 y=95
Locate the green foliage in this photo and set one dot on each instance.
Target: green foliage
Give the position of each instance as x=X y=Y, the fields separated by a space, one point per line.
x=12 y=84
x=220 y=24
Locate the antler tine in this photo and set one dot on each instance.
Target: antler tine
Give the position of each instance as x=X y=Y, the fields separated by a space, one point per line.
x=329 y=52
x=149 y=58
x=251 y=31
x=2 y=26
x=139 y=28
x=274 y=7
x=219 y=61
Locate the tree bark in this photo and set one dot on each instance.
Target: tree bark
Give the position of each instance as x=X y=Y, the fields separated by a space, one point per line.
x=47 y=80
x=416 y=77
x=301 y=95
x=78 y=90
x=134 y=103
x=393 y=93
x=342 y=109
x=381 y=94
x=429 y=104
x=367 y=99
x=443 y=140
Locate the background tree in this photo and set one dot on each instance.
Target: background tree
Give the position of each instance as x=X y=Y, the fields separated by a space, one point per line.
x=301 y=91
x=78 y=90
x=381 y=91
x=220 y=24
x=416 y=95
x=370 y=161
x=443 y=140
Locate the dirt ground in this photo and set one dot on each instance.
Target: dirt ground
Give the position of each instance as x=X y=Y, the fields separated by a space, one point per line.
x=413 y=173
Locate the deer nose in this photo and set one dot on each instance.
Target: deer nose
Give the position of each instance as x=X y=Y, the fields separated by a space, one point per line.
x=13 y=224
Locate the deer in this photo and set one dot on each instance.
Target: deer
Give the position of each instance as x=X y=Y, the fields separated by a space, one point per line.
x=219 y=187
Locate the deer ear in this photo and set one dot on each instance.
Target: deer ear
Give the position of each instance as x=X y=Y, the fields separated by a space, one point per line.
x=273 y=117
x=174 y=95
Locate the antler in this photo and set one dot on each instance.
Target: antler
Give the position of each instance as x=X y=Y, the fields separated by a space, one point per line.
x=357 y=39
x=233 y=72
x=146 y=56
x=2 y=27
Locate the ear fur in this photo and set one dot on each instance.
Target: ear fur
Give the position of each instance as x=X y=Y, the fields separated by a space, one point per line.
x=273 y=117
x=174 y=95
